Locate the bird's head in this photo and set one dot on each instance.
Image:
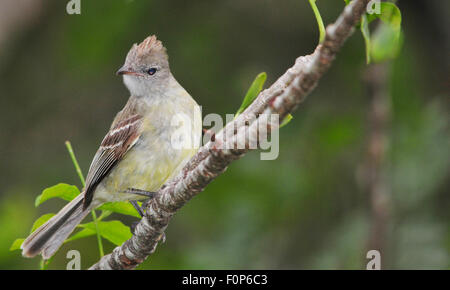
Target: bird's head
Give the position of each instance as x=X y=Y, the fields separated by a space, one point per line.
x=146 y=67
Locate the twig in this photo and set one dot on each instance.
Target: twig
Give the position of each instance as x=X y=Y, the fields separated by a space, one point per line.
x=375 y=180
x=83 y=182
x=319 y=20
x=210 y=161
x=75 y=162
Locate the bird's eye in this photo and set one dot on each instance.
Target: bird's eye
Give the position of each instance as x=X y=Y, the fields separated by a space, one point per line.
x=151 y=71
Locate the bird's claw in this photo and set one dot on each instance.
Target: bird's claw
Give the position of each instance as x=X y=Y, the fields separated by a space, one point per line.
x=162 y=238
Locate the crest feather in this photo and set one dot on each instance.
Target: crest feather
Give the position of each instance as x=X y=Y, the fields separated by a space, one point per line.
x=149 y=50
x=150 y=45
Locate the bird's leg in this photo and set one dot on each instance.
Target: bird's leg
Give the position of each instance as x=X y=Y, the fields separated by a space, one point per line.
x=138 y=208
x=142 y=192
x=140 y=212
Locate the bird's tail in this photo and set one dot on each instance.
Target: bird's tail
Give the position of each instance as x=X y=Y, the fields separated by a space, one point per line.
x=49 y=237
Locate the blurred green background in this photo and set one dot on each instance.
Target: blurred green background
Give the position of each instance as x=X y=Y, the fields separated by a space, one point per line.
x=305 y=210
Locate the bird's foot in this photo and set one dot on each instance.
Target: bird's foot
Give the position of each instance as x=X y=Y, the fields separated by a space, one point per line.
x=162 y=238
x=140 y=210
x=133 y=227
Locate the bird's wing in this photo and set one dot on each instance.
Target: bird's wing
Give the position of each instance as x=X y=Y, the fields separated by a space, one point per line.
x=120 y=138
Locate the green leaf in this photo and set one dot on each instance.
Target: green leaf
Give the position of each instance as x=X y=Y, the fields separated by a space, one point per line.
x=366 y=35
x=61 y=190
x=390 y=14
x=105 y=214
x=121 y=207
x=16 y=244
x=387 y=39
x=40 y=221
x=286 y=120
x=81 y=234
x=347 y=2
x=114 y=231
x=386 y=43
x=252 y=92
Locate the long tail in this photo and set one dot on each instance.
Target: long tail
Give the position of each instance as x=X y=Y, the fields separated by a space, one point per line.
x=49 y=237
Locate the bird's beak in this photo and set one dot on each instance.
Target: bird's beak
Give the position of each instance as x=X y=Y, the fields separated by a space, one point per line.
x=124 y=71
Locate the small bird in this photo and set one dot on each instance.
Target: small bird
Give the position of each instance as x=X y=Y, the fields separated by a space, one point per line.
x=140 y=152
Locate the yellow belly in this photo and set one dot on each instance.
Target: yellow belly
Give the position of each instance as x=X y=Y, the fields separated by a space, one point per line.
x=147 y=171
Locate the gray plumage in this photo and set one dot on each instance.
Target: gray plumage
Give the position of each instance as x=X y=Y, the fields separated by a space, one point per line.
x=49 y=237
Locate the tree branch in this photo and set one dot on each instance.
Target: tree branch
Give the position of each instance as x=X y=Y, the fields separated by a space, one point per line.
x=211 y=160
x=375 y=182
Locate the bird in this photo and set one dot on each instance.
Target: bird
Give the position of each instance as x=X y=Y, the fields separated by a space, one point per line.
x=150 y=140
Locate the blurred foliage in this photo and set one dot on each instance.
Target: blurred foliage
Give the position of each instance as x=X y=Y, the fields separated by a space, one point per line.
x=304 y=210
x=113 y=231
x=385 y=44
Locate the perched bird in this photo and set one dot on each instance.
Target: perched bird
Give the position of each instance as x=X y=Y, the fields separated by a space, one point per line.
x=140 y=152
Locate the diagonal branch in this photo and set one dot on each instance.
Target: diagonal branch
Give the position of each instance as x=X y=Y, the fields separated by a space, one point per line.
x=211 y=160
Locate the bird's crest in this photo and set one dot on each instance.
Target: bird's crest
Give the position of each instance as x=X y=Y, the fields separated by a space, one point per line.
x=150 y=46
